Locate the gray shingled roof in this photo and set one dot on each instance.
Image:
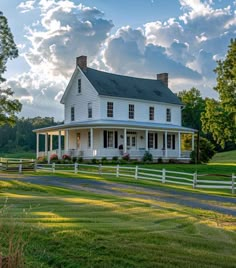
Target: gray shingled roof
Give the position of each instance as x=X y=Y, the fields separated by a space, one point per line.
x=108 y=84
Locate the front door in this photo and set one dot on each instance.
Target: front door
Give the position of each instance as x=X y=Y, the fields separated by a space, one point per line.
x=131 y=141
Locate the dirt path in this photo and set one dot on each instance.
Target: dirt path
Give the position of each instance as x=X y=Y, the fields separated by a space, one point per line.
x=224 y=205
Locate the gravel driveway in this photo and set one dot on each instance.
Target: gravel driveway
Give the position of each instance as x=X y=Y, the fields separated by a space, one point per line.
x=224 y=205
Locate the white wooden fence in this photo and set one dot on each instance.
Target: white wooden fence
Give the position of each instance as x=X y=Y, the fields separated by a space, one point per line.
x=161 y=175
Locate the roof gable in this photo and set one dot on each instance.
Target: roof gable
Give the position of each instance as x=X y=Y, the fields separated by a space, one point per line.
x=107 y=84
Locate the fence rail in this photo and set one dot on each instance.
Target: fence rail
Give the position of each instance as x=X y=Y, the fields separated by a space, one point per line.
x=193 y=180
x=161 y=175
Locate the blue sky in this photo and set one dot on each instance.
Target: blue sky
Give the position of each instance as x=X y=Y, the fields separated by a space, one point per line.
x=132 y=37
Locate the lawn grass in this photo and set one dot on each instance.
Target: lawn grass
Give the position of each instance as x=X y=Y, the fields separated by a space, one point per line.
x=224 y=158
x=25 y=155
x=66 y=228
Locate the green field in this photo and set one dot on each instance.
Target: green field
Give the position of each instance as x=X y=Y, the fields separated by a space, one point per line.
x=26 y=155
x=225 y=157
x=66 y=228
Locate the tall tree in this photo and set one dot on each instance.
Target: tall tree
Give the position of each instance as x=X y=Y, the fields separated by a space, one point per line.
x=220 y=116
x=8 y=50
x=194 y=105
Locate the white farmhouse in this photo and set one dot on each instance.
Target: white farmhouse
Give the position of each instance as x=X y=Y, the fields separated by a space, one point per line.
x=107 y=115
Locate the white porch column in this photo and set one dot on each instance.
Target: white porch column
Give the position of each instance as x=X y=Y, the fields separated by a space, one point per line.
x=192 y=141
x=51 y=141
x=166 y=154
x=59 y=144
x=125 y=141
x=67 y=140
x=179 y=142
x=91 y=139
x=37 y=145
x=46 y=144
x=146 y=140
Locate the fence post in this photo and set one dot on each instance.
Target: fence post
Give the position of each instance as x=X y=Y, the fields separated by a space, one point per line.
x=53 y=167
x=20 y=167
x=233 y=181
x=100 y=169
x=194 y=180
x=117 y=171
x=35 y=166
x=76 y=168
x=136 y=173
x=163 y=175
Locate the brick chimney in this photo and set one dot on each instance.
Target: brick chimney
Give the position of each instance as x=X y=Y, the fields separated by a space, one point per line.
x=163 y=77
x=81 y=61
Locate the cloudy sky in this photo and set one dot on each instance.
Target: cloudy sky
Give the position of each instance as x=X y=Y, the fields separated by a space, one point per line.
x=132 y=37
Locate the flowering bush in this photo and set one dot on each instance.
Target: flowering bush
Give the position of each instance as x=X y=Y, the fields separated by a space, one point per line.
x=66 y=157
x=125 y=157
x=53 y=157
x=42 y=159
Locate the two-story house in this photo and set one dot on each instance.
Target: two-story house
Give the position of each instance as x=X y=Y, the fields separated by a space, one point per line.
x=107 y=115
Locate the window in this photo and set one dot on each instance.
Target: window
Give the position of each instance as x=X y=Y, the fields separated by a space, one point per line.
x=78 y=140
x=89 y=139
x=110 y=139
x=72 y=114
x=151 y=113
x=79 y=85
x=170 y=141
x=168 y=115
x=109 y=109
x=131 y=111
x=90 y=110
x=152 y=140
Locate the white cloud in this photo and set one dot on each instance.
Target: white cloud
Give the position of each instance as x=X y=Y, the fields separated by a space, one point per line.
x=186 y=47
x=26 y=6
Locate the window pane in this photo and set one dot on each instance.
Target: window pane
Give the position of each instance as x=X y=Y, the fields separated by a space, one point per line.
x=133 y=141
x=89 y=139
x=110 y=139
x=79 y=85
x=151 y=113
x=90 y=111
x=131 y=111
x=109 y=109
x=169 y=141
x=128 y=140
x=72 y=113
x=168 y=115
x=150 y=140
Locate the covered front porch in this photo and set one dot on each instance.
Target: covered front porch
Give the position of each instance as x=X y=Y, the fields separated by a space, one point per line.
x=109 y=141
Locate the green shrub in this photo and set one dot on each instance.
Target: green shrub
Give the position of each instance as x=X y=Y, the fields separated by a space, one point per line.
x=80 y=159
x=147 y=157
x=206 y=151
x=159 y=160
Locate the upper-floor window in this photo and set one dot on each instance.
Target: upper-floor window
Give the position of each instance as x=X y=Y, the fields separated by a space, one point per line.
x=79 y=85
x=109 y=109
x=168 y=115
x=72 y=114
x=90 y=110
x=151 y=113
x=131 y=111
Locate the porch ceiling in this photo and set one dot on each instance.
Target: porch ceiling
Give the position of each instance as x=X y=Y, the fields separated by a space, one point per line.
x=116 y=124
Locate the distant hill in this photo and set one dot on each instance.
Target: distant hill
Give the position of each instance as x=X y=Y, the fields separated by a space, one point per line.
x=225 y=157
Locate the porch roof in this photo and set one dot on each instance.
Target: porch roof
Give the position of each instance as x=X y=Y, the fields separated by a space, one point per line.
x=115 y=124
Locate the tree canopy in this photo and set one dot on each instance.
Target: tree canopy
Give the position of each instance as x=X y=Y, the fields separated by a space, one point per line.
x=194 y=105
x=8 y=50
x=220 y=116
